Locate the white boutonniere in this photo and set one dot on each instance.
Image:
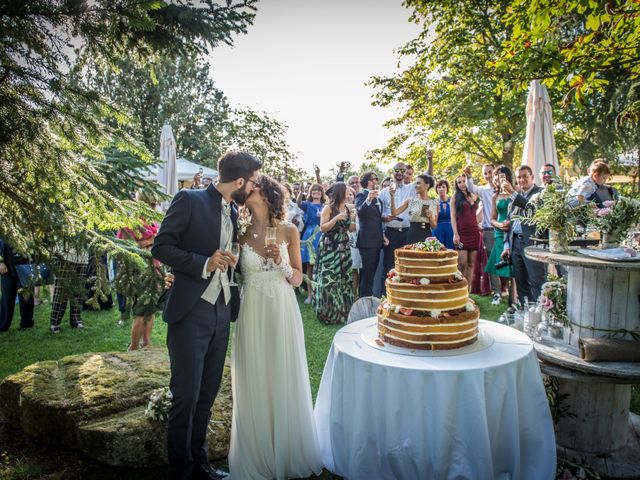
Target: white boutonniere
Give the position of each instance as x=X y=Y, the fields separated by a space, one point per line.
x=243 y=224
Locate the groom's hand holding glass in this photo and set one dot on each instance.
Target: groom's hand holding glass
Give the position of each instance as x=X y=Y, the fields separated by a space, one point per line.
x=221 y=259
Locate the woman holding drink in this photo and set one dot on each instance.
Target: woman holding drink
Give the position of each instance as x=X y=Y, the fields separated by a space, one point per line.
x=273 y=434
x=334 y=294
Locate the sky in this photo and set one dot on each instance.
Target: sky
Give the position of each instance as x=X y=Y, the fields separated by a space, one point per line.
x=306 y=63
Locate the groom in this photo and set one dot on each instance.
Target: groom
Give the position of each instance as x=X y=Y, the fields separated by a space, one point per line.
x=195 y=241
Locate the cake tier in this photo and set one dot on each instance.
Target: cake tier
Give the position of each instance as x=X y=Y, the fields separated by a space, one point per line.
x=444 y=332
x=436 y=266
x=434 y=296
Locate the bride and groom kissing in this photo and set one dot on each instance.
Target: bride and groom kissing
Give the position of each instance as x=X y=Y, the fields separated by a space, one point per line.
x=273 y=432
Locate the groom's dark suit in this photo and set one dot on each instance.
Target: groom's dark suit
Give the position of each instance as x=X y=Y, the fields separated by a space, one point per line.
x=198 y=331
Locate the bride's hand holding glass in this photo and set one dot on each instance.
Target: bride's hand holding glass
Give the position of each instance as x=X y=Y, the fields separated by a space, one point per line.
x=273 y=252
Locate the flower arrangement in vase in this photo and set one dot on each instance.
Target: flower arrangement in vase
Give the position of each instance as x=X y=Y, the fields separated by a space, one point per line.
x=553 y=299
x=616 y=218
x=553 y=213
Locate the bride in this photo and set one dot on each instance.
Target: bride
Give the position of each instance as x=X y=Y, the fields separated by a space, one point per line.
x=273 y=434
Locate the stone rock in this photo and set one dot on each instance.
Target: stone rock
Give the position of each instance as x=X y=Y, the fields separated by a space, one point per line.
x=95 y=403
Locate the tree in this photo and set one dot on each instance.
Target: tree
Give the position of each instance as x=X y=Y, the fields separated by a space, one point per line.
x=588 y=52
x=577 y=46
x=181 y=91
x=263 y=135
x=177 y=90
x=52 y=129
x=453 y=98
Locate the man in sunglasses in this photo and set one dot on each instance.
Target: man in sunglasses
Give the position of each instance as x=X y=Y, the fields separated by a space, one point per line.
x=396 y=228
x=547 y=172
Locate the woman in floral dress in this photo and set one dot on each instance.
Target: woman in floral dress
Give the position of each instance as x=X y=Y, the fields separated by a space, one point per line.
x=334 y=294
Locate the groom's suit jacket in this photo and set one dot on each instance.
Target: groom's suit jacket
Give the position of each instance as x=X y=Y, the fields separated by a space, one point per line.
x=188 y=236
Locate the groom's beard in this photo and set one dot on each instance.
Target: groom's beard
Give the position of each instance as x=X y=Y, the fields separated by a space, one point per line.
x=240 y=196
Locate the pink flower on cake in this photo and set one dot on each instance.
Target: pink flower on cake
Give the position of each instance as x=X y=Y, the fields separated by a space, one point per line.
x=406 y=311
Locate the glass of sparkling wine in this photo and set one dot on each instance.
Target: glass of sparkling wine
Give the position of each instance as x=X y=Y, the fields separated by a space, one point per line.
x=235 y=251
x=270 y=236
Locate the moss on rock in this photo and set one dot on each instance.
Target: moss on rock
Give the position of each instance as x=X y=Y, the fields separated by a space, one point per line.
x=95 y=403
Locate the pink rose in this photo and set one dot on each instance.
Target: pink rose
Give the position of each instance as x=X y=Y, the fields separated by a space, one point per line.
x=603 y=212
x=608 y=203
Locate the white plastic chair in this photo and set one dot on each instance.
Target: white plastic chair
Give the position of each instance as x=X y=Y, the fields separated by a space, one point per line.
x=364 y=307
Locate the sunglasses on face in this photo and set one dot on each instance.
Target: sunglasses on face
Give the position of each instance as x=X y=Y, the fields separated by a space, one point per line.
x=547 y=172
x=399 y=170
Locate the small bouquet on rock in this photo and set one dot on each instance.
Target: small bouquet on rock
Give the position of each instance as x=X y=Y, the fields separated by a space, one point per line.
x=159 y=404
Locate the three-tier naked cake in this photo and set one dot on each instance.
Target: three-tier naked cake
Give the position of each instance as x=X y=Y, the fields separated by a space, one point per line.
x=427 y=305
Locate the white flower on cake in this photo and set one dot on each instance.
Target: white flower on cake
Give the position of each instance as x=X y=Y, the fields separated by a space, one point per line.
x=469 y=307
x=424 y=281
x=435 y=313
x=396 y=279
x=458 y=275
x=397 y=309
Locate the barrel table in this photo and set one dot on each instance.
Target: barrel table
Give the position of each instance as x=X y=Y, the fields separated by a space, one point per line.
x=603 y=300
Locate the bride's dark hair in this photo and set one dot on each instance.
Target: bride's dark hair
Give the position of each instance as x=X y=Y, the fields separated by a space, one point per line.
x=275 y=196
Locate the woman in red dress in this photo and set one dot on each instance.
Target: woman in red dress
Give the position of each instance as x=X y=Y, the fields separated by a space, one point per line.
x=466 y=234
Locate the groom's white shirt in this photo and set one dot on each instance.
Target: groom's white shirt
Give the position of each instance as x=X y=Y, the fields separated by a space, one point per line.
x=219 y=281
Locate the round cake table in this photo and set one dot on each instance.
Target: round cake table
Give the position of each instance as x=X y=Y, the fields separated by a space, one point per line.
x=481 y=415
x=603 y=298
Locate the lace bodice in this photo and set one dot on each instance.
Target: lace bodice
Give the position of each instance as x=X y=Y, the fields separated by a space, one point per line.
x=261 y=273
x=418 y=208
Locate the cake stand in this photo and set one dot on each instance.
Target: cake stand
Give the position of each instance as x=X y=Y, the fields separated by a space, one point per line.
x=603 y=298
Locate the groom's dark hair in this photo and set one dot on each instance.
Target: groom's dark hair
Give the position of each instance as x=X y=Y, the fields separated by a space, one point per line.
x=235 y=164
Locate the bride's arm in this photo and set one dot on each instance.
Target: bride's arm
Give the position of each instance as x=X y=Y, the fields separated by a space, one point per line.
x=293 y=237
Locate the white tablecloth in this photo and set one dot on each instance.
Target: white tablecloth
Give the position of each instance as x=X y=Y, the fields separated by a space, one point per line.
x=482 y=415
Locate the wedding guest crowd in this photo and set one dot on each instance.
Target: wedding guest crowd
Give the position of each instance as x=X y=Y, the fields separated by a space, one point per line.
x=349 y=231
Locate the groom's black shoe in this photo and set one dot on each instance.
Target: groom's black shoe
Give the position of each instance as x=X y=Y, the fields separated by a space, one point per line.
x=207 y=472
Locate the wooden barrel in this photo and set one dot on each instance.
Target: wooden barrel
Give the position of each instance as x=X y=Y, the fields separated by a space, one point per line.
x=603 y=302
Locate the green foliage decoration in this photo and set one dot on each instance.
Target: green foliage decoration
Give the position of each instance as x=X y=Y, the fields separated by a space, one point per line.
x=54 y=130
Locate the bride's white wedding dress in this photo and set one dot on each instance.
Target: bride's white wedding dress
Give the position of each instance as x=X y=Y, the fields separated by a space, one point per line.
x=273 y=433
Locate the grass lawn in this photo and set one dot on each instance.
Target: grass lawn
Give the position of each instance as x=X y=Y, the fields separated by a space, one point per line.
x=102 y=334
x=26 y=460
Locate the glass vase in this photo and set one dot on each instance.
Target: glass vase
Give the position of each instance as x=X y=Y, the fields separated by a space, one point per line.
x=558 y=241
x=609 y=240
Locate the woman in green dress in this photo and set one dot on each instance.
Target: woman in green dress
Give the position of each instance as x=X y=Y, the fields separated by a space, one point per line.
x=333 y=292
x=499 y=213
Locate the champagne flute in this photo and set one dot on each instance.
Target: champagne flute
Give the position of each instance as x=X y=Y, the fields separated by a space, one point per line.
x=235 y=251
x=270 y=239
x=270 y=236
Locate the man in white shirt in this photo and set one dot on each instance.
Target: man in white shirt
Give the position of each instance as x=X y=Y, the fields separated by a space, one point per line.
x=396 y=228
x=486 y=193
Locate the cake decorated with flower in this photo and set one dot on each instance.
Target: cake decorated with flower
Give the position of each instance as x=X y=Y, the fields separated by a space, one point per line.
x=427 y=305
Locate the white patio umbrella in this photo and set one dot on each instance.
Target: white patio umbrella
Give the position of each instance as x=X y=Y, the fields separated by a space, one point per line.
x=167 y=170
x=539 y=145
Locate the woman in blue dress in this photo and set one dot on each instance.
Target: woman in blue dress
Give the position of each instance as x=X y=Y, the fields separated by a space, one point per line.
x=311 y=209
x=444 y=231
